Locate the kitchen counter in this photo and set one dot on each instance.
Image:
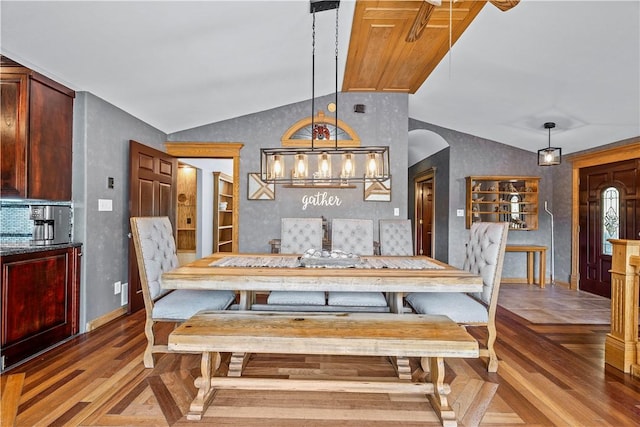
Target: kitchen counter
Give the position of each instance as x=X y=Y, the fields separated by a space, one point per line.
x=7 y=249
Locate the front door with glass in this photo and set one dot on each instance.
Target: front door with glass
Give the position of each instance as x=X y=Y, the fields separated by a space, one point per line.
x=609 y=209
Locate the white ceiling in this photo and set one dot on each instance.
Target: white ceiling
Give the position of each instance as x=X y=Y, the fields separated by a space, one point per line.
x=178 y=65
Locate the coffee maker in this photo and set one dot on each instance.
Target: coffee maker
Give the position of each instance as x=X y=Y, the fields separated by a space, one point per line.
x=51 y=225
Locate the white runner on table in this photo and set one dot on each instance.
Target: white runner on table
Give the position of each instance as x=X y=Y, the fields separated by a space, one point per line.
x=406 y=263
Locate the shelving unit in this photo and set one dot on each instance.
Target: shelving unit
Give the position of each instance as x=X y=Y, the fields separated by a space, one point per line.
x=223 y=218
x=186 y=221
x=512 y=199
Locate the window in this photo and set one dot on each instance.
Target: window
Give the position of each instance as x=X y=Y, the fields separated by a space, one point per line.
x=610 y=206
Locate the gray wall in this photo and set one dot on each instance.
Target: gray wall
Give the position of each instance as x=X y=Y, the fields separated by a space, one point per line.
x=384 y=123
x=471 y=155
x=101 y=150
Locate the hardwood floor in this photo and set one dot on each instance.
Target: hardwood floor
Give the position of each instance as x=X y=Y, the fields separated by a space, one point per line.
x=549 y=374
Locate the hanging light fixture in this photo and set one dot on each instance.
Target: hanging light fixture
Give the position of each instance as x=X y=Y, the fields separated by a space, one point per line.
x=292 y=164
x=549 y=156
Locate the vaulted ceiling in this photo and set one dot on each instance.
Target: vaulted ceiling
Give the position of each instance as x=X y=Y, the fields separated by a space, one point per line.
x=512 y=67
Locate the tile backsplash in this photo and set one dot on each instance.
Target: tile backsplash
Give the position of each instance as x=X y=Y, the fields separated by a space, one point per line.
x=15 y=225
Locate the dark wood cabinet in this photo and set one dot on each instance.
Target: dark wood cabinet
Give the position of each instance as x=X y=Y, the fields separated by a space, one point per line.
x=14 y=88
x=40 y=301
x=37 y=128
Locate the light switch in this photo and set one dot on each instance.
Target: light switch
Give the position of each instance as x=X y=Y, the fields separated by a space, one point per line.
x=105 y=204
x=460 y=212
x=396 y=211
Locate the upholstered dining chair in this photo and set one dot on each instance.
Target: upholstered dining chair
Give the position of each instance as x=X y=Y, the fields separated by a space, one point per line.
x=485 y=257
x=297 y=235
x=355 y=236
x=155 y=254
x=396 y=237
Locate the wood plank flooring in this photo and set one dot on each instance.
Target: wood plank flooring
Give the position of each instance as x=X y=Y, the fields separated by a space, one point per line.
x=550 y=374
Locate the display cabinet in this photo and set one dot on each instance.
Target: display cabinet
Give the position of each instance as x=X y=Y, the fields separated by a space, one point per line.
x=223 y=212
x=512 y=199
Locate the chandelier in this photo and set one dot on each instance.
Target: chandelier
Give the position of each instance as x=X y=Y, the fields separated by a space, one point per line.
x=324 y=161
x=549 y=156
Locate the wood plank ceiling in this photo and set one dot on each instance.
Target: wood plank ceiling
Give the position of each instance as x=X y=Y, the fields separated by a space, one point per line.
x=395 y=45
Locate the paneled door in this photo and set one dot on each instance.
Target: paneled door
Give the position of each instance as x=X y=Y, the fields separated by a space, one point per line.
x=153 y=187
x=424 y=215
x=609 y=209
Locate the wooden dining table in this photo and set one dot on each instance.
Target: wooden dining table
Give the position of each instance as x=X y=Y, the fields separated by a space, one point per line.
x=250 y=273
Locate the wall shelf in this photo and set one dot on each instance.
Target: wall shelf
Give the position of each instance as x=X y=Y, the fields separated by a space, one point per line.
x=512 y=199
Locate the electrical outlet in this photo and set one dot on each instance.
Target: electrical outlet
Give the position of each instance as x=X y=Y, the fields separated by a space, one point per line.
x=117 y=287
x=460 y=212
x=124 y=296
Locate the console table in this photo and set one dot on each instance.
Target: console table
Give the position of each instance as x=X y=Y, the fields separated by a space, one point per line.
x=542 y=261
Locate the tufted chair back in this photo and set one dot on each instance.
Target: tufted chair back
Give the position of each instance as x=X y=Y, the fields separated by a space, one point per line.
x=396 y=237
x=156 y=252
x=352 y=235
x=299 y=234
x=485 y=256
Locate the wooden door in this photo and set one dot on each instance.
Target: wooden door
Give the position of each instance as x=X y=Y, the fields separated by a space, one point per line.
x=153 y=192
x=609 y=208
x=424 y=216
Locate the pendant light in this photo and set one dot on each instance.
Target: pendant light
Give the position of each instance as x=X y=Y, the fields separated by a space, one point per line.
x=319 y=163
x=549 y=156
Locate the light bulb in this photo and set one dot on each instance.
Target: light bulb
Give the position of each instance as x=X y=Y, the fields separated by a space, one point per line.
x=548 y=157
x=348 y=166
x=324 y=164
x=277 y=166
x=372 y=165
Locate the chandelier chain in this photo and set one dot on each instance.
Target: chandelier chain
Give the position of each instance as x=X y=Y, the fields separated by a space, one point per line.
x=336 y=101
x=313 y=76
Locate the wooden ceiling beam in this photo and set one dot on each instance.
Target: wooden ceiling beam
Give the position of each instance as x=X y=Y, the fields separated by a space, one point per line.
x=396 y=44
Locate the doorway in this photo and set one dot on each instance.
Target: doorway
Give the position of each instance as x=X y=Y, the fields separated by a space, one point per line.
x=201 y=224
x=153 y=190
x=424 y=189
x=613 y=155
x=609 y=209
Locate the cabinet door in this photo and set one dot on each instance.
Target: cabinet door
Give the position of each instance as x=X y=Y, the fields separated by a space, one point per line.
x=50 y=133
x=39 y=302
x=14 y=98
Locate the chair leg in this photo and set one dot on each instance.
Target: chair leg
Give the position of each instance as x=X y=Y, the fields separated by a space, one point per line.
x=148 y=352
x=491 y=339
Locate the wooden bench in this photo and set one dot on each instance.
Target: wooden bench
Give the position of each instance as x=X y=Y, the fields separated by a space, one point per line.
x=430 y=338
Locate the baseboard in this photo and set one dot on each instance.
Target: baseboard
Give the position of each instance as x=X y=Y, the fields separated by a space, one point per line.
x=106 y=318
x=513 y=280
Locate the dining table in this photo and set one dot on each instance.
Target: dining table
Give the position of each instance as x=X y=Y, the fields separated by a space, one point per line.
x=248 y=273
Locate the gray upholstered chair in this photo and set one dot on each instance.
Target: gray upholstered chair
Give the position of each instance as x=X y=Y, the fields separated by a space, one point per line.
x=156 y=253
x=296 y=236
x=485 y=257
x=355 y=236
x=396 y=237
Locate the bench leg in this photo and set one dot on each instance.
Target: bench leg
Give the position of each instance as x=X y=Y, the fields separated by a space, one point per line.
x=237 y=363
x=205 y=392
x=401 y=365
x=438 y=400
